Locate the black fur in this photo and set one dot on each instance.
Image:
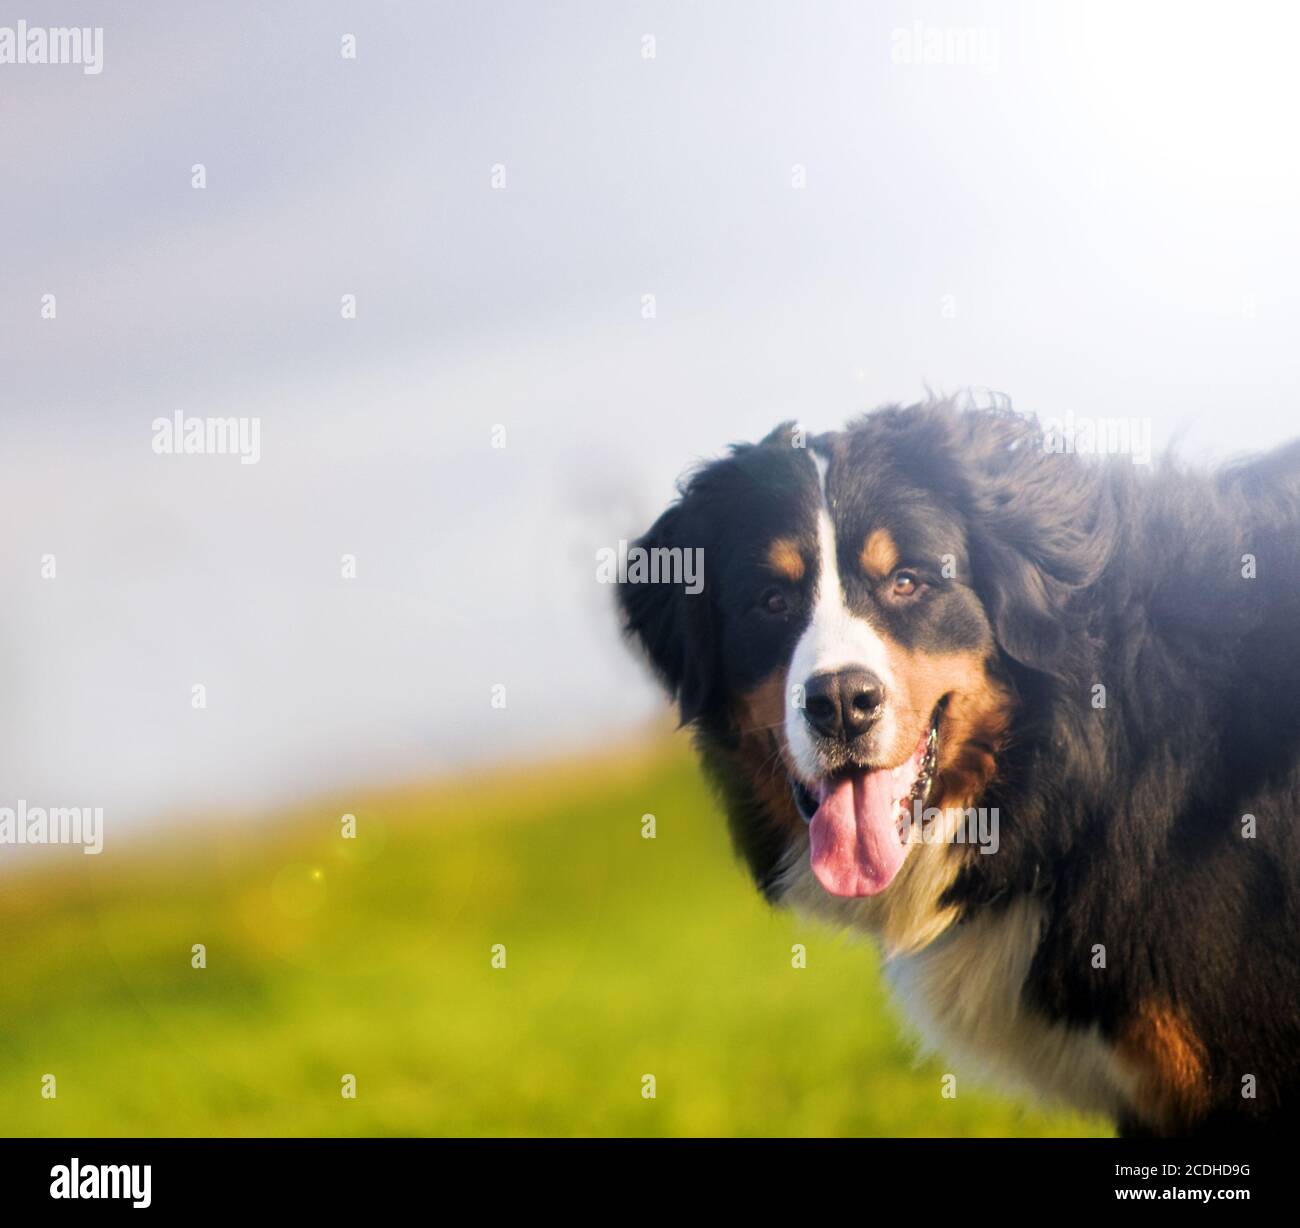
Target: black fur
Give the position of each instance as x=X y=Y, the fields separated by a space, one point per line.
x=1125 y=820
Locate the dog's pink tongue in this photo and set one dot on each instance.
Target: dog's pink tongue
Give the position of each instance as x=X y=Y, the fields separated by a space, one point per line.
x=854 y=835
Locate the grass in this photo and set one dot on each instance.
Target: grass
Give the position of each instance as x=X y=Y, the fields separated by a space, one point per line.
x=625 y=957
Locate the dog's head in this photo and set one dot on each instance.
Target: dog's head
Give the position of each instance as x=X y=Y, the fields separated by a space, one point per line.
x=870 y=599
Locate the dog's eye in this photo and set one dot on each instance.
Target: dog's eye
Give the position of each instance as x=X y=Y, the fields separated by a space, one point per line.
x=773 y=601
x=906 y=584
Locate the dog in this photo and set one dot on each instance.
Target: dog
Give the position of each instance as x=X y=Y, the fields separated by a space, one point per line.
x=939 y=617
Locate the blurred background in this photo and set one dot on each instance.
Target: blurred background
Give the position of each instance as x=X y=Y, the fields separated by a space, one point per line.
x=612 y=238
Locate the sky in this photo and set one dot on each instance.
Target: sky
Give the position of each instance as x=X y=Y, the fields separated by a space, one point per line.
x=1092 y=212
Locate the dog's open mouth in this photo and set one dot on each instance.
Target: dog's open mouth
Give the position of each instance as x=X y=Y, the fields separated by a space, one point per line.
x=859 y=820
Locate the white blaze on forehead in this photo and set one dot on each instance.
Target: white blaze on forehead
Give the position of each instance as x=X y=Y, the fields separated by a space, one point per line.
x=834 y=639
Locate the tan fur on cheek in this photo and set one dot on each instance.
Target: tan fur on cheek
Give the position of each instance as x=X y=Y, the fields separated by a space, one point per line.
x=760 y=728
x=763 y=708
x=975 y=729
x=975 y=722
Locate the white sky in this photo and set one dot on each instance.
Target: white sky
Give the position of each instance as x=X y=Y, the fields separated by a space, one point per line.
x=1112 y=209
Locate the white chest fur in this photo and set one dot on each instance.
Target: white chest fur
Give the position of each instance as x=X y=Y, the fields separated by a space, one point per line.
x=963 y=994
x=961 y=986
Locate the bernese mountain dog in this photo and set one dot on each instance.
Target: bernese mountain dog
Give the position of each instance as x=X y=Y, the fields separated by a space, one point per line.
x=1031 y=719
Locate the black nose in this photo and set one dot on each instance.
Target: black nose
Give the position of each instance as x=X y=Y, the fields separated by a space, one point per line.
x=844 y=703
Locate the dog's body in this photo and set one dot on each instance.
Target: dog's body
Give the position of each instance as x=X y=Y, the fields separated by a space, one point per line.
x=932 y=616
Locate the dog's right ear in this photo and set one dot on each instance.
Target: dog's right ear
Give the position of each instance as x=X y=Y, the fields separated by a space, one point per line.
x=674 y=626
x=1042 y=528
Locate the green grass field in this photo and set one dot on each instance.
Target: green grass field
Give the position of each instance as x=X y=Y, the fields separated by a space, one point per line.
x=625 y=957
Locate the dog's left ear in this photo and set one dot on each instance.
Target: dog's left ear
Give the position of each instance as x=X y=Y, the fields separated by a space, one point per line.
x=673 y=625
x=1041 y=526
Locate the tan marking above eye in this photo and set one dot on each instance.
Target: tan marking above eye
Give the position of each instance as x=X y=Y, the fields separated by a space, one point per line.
x=879 y=555
x=784 y=558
